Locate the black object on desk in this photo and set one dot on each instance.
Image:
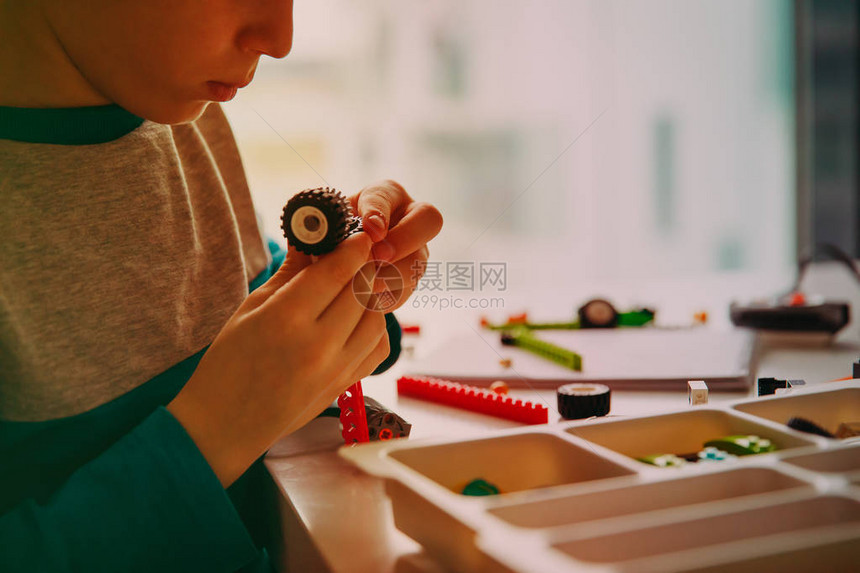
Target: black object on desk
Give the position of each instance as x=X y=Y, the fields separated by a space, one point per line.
x=829 y=317
x=768 y=386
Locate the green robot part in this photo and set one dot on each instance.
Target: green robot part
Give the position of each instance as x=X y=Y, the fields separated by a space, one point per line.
x=522 y=338
x=743 y=445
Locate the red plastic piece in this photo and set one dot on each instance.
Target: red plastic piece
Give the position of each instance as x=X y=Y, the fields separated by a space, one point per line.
x=411 y=329
x=472 y=398
x=518 y=318
x=499 y=387
x=353 y=418
x=797 y=299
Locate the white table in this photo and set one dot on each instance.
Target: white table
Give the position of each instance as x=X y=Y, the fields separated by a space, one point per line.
x=337 y=518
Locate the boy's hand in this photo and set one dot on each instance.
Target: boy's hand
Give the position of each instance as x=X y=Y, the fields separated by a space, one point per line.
x=295 y=344
x=400 y=229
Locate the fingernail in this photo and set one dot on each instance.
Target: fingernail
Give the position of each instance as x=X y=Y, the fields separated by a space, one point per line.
x=375 y=227
x=383 y=251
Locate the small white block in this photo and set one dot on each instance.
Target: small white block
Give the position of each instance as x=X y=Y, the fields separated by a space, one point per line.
x=697 y=392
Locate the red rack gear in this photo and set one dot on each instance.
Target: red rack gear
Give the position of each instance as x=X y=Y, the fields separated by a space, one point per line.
x=353 y=418
x=472 y=398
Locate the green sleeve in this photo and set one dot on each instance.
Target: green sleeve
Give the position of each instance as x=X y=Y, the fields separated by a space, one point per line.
x=395 y=333
x=148 y=503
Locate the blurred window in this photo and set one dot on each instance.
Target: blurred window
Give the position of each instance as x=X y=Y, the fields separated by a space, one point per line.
x=571 y=138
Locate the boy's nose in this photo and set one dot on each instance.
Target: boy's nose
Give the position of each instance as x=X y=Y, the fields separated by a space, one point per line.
x=270 y=31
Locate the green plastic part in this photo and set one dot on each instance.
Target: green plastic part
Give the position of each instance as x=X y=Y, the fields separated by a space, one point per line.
x=574 y=325
x=743 y=445
x=712 y=454
x=632 y=318
x=568 y=358
x=480 y=487
x=535 y=326
x=636 y=317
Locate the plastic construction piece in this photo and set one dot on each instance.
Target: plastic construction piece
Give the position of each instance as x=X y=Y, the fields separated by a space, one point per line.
x=600 y=313
x=577 y=401
x=640 y=317
x=743 y=445
x=410 y=329
x=697 y=392
x=316 y=220
x=808 y=426
x=499 y=387
x=663 y=460
x=768 y=386
x=480 y=487
x=353 y=416
x=596 y=313
x=829 y=317
x=574 y=325
x=712 y=454
x=472 y=398
x=522 y=318
x=525 y=340
x=708 y=454
x=382 y=423
x=700 y=317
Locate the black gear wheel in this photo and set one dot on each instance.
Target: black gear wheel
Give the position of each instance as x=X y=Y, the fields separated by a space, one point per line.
x=317 y=236
x=598 y=313
x=577 y=401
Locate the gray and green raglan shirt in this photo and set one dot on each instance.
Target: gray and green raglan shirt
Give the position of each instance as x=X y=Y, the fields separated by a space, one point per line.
x=125 y=246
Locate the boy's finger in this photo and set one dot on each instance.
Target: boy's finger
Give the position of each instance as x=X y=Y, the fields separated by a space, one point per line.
x=378 y=204
x=318 y=284
x=366 y=335
x=365 y=341
x=421 y=223
x=293 y=263
x=409 y=269
x=343 y=314
x=379 y=353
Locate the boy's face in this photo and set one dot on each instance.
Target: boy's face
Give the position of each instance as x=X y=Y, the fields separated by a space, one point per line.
x=164 y=60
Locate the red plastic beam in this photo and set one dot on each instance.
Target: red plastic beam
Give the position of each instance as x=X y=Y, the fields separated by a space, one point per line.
x=353 y=418
x=472 y=398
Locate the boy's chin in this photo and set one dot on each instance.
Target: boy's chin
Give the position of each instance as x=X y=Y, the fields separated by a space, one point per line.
x=173 y=114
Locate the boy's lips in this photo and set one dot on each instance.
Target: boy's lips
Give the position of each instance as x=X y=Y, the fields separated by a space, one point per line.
x=224 y=91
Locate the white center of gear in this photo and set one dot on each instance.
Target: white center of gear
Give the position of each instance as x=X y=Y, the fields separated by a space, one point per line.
x=309 y=233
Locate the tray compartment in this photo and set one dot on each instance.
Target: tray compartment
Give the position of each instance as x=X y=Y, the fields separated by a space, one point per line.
x=832 y=461
x=684 y=432
x=834 y=557
x=512 y=463
x=827 y=409
x=580 y=508
x=804 y=515
x=442 y=535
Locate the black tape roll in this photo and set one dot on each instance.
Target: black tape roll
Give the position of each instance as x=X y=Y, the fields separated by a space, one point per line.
x=576 y=401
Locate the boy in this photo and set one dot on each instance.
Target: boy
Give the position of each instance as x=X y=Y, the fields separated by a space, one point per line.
x=138 y=376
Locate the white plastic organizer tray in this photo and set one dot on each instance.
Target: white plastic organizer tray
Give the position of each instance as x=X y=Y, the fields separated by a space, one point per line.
x=574 y=498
